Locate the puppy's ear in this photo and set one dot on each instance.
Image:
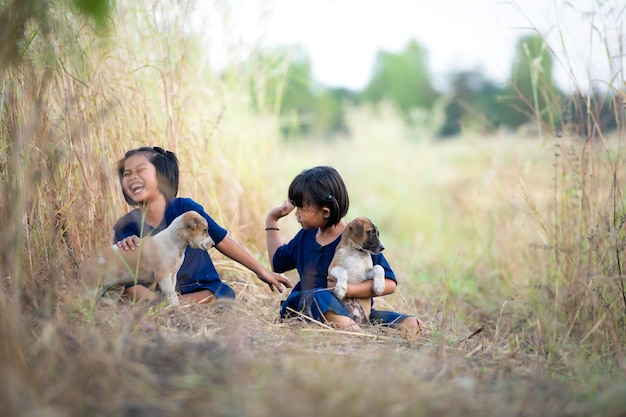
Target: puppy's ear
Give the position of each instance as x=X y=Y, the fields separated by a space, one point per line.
x=194 y=221
x=357 y=228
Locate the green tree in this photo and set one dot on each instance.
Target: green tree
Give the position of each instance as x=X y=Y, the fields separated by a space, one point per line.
x=287 y=87
x=22 y=20
x=285 y=82
x=403 y=79
x=473 y=104
x=298 y=102
x=532 y=94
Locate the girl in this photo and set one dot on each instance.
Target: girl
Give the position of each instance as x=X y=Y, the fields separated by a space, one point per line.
x=321 y=201
x=149 y=180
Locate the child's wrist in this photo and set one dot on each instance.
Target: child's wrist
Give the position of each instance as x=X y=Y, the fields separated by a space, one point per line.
x=271 y=223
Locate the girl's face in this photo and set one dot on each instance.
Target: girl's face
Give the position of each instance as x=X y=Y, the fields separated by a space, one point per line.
x=312 y=217
x=139 y=180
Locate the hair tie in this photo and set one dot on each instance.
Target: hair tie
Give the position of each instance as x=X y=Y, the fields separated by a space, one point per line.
x=330 y=197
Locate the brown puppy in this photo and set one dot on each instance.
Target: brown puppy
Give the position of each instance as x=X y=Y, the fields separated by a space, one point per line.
x=157 y=258
x=352 y=264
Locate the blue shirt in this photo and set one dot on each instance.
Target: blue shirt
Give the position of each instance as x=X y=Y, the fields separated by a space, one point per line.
x=312 y=260
x=197 y=271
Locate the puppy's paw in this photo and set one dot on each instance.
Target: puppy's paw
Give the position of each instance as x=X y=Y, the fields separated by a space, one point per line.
x=340 y=290
x=379 y=286
x=172 y=299
x=341 y=287
x=378 y=274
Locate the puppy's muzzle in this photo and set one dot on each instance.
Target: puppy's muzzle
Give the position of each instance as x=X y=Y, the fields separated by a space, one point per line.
x=373 y=245
x=205 y=244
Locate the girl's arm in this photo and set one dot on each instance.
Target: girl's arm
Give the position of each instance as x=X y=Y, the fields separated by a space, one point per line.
x=365 y=289
x=238 y=253
x=272 y=237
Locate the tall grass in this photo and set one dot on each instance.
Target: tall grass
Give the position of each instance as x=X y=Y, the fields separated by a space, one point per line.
x=580 y=301
x=519 y=235
x=72 y=108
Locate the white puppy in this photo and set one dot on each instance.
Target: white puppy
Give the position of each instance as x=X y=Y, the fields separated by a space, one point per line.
x=157 y=258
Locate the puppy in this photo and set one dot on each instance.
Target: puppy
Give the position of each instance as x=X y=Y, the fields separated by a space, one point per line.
x=352 y=264
x=157 y=258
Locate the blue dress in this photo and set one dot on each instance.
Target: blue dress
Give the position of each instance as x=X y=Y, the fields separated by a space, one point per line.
x=197 y=271
x=310 y=295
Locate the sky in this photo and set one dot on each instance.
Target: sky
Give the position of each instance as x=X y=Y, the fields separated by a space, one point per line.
x=342 y=37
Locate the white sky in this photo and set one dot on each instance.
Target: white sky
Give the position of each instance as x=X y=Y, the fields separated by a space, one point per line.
x=343 y=37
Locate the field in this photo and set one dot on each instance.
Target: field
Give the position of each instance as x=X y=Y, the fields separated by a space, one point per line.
x=510 y=247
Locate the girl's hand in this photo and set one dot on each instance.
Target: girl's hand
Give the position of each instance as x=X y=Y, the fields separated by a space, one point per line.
x=274 y=280
x=129 y=243
x=272 y=238
x=331 y=282
x=280 y=211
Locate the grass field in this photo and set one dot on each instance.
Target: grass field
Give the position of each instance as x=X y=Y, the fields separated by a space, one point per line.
x=520 y=237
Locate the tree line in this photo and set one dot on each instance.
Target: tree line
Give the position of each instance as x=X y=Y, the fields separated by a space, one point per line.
x=472 y=102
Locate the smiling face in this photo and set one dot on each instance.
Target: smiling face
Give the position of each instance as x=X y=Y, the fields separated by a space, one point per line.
x=139 y=179
x=311 y=217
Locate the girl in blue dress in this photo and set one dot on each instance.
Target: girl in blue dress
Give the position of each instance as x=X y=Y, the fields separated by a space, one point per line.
x=321 y=201
x=149 y=179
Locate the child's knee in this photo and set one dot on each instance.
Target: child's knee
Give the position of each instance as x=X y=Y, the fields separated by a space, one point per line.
x=415 y=325
x=410 y=323
x=341 y=322
x=140 y=293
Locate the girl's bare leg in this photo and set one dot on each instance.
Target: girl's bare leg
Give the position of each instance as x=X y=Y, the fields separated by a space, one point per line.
x=342 y=322
x=139 y=293
x=415 y=326
x=200 y=297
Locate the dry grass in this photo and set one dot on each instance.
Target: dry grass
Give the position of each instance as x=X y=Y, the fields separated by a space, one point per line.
x=492 y=232
x=235 y=359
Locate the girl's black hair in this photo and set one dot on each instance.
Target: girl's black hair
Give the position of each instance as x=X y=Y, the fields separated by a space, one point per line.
x=321 y=187
x=166 y=165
